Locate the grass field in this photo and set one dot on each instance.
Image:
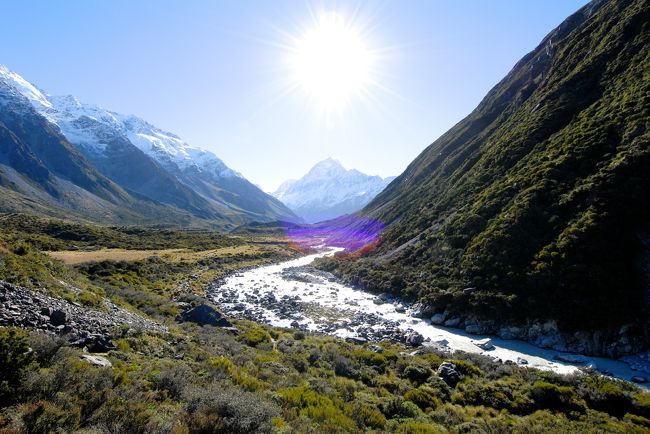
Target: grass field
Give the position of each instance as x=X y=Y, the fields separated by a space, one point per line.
x=73 y=257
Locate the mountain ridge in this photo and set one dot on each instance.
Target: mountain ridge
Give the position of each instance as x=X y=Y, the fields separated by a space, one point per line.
x=150 y=162
x=328 y=190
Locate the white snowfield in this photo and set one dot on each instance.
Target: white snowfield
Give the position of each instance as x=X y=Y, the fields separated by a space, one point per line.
x=93 y=127
x=329 y=186
x=337 y=297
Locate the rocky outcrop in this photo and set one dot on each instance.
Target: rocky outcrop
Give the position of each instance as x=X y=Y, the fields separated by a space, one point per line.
x=447 y=371
x=81 y=326
x=204 y=315
x=623 y=341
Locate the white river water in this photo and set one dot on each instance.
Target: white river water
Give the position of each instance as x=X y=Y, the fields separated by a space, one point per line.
x=311 y=300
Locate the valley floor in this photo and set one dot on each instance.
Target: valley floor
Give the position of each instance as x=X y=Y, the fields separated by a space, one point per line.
x=151 y=367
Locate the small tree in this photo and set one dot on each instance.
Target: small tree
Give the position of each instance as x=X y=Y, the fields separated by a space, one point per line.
x=16 y=358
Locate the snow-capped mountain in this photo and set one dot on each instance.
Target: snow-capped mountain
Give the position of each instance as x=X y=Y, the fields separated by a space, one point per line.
x=328 y=190
x=152 y=162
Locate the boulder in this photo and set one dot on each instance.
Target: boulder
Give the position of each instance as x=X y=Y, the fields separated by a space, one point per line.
x=453 y=322
x=420 y=310
x=447 y=371
x=571 y=358
x=438 y=318
x=98 y=361
x=99 y=344
x=485 y=344
x=356 y=340
x=510 y=333
x=475 y=329
x=414 y=339
x=442 y=343
x=58 y=317
x=204 y=315
x=46 y=311
x=521 y=361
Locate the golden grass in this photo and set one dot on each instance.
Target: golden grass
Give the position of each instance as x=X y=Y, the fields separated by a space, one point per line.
x=72 y=257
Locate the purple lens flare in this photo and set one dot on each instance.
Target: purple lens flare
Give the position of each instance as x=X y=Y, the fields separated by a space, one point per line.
x=350 y=232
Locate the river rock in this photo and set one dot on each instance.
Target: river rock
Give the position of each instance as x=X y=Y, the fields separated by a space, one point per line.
x=439 y=318
x=475 y=329
x=510 y=333
x=453 y=322
x=204 y=315
x=571 y=358
x=356 y=340
x=485 y=344
x=420 y=310
x=414 y=339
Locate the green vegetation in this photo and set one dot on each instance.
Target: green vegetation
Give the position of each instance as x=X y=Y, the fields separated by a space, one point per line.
x=205 y=379
x=195 y=379
x=540 y=198
x=195 y=259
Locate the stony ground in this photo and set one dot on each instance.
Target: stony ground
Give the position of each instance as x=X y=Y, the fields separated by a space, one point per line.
x=22 y=307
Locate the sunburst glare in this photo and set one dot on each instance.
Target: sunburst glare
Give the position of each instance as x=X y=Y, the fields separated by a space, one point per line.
x=331 y=63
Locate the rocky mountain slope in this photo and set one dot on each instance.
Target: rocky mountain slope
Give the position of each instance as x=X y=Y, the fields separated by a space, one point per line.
x=42 y=173
x=328 y=190
x=536 y=206
x=150 y=162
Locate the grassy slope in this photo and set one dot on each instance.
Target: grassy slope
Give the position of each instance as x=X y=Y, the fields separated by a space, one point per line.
x=199 y=380
x=540 y=197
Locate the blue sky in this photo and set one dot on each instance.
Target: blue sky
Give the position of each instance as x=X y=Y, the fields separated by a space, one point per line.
x=216 y=72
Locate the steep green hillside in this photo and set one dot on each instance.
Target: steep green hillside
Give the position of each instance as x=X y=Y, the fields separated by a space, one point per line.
x=540 y=198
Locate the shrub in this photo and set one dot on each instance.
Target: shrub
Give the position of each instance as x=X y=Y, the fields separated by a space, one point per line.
x=418 y=428
x=607 y=396
x=367 y=416
x=216 y=406
x=45 y=346
x=16 y=358
x=45 y=417
x=255 y=336
x=174 y=379
x=344 y=367
x=557 y=398
x=424 y=397
x=417 y=373
x=637 y=420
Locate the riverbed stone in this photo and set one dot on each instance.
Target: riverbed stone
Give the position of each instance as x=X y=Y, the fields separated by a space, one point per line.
x=414 y=339
x=439 y=318
x=453 y=322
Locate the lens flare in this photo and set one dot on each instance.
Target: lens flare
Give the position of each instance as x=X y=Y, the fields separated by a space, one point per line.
x=351 y=232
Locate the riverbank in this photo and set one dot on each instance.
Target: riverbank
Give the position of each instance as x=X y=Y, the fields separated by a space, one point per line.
x=294 y=295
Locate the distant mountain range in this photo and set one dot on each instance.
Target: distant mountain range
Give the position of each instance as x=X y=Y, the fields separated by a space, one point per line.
x=129 y=170
x=536 y=206
x=328 y=190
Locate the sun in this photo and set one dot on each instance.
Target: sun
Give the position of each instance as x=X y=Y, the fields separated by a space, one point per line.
x=331 y=63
